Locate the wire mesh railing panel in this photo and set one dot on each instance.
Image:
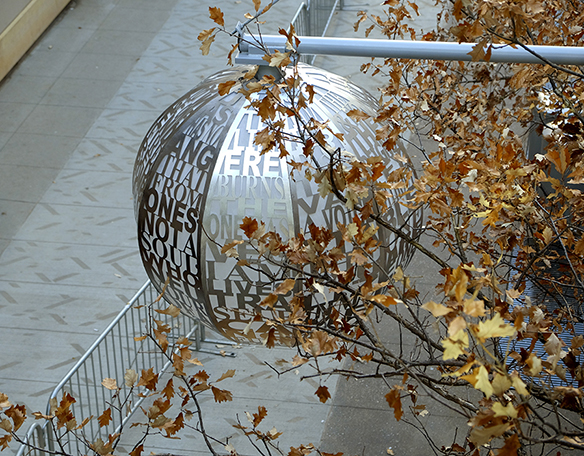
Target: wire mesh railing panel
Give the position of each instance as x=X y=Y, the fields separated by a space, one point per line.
x=321 y=12
x=313 y=19
x=35 y=437
x=120 y=347
x=300 y=20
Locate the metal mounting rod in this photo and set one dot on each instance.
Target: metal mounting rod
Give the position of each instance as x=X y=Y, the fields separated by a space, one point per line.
x=399 y=49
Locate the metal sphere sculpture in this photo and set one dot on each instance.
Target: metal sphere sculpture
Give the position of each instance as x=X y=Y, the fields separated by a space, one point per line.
x=198 y=174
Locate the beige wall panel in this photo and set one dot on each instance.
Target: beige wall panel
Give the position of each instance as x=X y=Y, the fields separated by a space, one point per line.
x=9 y=9
x=24 y=29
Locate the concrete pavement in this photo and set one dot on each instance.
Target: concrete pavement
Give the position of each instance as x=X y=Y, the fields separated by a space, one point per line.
x=72 y=115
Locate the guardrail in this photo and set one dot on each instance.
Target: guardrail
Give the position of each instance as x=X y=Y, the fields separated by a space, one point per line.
x=116 y=349
x=111 y=354
x=313 y=18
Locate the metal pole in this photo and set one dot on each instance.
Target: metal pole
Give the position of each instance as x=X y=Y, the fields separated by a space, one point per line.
x=398 y=49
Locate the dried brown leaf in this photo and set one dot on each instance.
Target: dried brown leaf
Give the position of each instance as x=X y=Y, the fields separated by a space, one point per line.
x=230 y=373
x=216 y=16
x=105 y=418
x=221 y=395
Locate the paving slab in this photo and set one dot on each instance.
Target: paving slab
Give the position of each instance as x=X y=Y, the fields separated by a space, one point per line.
x=13 y=114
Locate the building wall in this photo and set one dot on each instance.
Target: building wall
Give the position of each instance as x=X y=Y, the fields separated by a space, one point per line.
x=21 y=23
x=9 y=9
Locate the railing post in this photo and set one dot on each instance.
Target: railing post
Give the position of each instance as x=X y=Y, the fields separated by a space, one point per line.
x=309 y=20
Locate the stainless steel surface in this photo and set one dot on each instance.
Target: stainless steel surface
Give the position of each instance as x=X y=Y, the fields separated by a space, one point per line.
x=198 y=174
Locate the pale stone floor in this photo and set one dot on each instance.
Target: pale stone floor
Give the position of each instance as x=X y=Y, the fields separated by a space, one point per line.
x=72 y=115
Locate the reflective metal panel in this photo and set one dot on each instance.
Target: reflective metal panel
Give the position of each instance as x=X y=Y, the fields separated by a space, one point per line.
x=198 y=174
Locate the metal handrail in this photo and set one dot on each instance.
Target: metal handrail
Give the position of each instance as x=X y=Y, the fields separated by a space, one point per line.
x=403 y=49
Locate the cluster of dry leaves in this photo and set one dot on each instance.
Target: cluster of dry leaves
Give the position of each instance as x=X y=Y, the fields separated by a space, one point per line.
x=501 y=189
x=503 y=227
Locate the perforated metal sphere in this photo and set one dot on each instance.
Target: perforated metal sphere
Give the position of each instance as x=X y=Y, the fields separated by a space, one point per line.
x=198 y=174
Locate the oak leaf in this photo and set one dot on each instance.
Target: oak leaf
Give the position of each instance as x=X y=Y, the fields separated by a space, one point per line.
x=278 y=59
x=547 y=234
x=323 y=394
x=130 y=377
x=320 y=342
x=269 y=301
x=478 y=51
x=298 y=360
x=206 y=44
x=137 y=451
x=258 y=417
x=561 y=159
x=394 y=400
x=4 y=441
x=201 y=376
x=249 y=226
x=270 y=339
x=225 y=87
x=273 y=433
x=173 y=426
x=160 y=421
x=171 y=310
x=229 y=249
x=4 y=402
x=230 y=373
x=216 y=16
x=148 y=379
x=110 y=383
x=105 y=418
x=84 y=423
x=358 y=258
x=168 y=390
x=358 y=115
x=285 y=287
x=101 y=448
x=63 y=410
x=6 y=425
x=41 y=416
x=221 y=395
x=205 y=34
